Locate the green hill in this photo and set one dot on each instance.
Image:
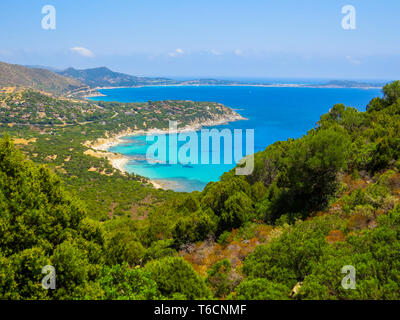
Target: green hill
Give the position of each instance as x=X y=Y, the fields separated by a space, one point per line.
x=104 y=77
x=312 y=207
x=41 y=79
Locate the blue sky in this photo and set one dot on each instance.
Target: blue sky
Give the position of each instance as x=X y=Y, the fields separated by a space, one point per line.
x=218 y=38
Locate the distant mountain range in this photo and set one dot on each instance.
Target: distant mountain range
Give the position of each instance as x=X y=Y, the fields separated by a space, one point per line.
x=41 y=79
x=104 y=77
x=83 y=82
x=352 y=84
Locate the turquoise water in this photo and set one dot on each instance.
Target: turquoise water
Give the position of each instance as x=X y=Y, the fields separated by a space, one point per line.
x=274 y=114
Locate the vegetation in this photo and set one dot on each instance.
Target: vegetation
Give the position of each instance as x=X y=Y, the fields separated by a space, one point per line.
x=104 y=77
x=12 y=75
x=312 y=206
x=54 y=131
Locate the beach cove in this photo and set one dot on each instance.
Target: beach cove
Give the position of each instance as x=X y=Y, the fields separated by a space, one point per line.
x=108 y=147
x=274 y=113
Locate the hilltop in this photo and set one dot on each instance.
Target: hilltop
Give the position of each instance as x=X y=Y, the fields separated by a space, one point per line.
x=41 y=79
x=84 y=82
x=104 y=77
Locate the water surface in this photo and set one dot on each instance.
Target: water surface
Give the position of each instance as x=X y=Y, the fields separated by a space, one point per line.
x=275 y=113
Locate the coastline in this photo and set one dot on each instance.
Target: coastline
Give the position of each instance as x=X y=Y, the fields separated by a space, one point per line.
x=97 y=93
x=100 y=147
x=275 y=85
x=117 y=160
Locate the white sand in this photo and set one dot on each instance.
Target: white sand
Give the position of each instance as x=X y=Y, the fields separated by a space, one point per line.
x=155 y=184
x=119 y=163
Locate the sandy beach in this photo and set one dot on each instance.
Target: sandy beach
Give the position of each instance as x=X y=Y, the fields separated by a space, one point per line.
x=104 y=144
x=120 y=164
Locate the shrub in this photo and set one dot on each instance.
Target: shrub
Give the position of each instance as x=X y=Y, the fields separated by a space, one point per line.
x=174 y=275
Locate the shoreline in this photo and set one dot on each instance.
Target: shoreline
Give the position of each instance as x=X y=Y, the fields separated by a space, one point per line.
x=277 y=85
x=104 y=144
x=119 y=161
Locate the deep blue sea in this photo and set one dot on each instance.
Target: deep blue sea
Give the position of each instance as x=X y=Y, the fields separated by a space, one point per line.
x=274 y=114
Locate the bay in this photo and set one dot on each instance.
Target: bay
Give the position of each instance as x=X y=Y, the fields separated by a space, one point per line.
x=275 y=113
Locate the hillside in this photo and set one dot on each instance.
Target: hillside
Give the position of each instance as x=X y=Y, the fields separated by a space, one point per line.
x=19 y=76
x=30 y=107
x=312 y=206
x=54 y=131
x=350 y=84
x=104 y=77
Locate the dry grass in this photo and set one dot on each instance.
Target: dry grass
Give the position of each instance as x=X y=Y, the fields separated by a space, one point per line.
x=22 y=141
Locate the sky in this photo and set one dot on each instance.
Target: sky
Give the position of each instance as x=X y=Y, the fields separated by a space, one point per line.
x=207 y=38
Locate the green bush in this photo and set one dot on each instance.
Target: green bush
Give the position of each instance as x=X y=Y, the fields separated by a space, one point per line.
x=174 y=275
x=260 y=289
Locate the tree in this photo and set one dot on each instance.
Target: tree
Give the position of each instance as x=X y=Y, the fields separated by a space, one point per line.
x=174 y=275
x=219 y=278
x=238 y=209
x=391 y=92
x=311 y=167
x=260 y=289
x=37 y=222
x=122 y=247
x=120 y=282
x=194 y=227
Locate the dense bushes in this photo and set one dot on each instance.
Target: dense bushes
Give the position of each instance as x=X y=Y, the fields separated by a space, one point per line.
x=121 y=282
x=176 y=278
x=260 y=289
x=331 y=198
x=292 y=179
x=303 y=254
x=40 y=225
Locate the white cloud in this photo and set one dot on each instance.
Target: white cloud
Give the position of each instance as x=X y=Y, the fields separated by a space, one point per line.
x=215 y=52
x=353 y=60
x=238 y=52
x=82 y=51
x=177 y=52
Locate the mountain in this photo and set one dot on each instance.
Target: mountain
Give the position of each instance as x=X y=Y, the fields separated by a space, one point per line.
x=37 y=66
x=351 y=84
x=210 y=82
x=19 y=76
x=104 y=77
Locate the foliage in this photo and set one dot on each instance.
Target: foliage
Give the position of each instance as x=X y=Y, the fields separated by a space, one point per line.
x=174 y=275
x=38 y=222
x=119 y=282
x=219 y=278
x=311 y=206
x=260 y=289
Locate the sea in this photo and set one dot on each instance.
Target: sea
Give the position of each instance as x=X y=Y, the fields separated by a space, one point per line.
x=274 y=113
